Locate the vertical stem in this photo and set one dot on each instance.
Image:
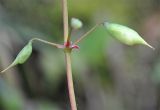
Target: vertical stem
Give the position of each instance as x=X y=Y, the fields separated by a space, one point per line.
x=70 y=81
x=68 y=57
x=65 y=19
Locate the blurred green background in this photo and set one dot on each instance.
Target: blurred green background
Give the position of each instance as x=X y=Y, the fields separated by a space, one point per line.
x=107 y=74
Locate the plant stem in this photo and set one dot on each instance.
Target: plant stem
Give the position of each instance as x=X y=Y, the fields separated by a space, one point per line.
x=46 y=42
x=65 y=19
x=70 y=81
x=86 y=34
x=10 y=66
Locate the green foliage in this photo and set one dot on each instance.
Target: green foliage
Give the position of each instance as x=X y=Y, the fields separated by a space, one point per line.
x=92 y=47
x=156 y=73
x=10 y=98
x=45 y=105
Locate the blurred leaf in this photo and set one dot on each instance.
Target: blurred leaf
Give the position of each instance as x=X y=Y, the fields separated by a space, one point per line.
x=10 y=97
x=52 y=62
x=94 y=44
x=156 y=73
x=45 y=105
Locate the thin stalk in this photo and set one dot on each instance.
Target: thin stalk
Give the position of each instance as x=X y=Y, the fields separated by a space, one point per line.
x=70 y=81
x=65 y=19
x=46 y=42
x=70 y=34
x=86 y=34
x=10 y=66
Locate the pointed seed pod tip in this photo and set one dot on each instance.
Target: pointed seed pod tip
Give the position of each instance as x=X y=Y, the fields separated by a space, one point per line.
x=125 y=34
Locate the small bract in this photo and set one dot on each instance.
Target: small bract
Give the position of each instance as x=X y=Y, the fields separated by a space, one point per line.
x=76 y=23
x=125 y=34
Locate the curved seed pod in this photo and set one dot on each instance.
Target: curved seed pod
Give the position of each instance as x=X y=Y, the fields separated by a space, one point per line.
x=125 y=34
x=76 y=23
x=23 y=55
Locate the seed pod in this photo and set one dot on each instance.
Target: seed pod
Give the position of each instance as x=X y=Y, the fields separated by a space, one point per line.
x=76 y=23
x=125 y=34
x=23 y=55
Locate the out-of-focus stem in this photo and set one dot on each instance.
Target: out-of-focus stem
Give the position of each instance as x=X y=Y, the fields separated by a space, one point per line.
x=70 y=81
x=86 y=34
x=65 y=19
x=10 y=66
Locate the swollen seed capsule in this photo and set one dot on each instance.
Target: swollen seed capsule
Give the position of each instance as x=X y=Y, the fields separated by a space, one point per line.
x=125 y=34
x=76 y=23
x=23 y=55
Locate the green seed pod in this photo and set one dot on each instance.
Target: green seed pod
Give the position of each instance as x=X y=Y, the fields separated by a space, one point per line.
x=125 y=35
x=23 y=55
x=76 y=23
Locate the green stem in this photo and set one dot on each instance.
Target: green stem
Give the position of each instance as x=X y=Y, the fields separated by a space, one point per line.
x=70 y=81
